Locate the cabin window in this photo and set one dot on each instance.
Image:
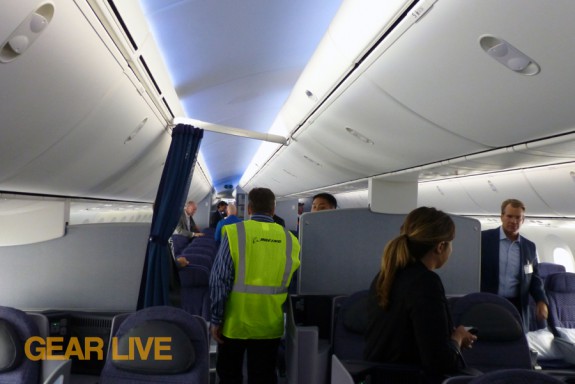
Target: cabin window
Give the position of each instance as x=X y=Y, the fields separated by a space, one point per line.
x=564 y=257
x=101 y=212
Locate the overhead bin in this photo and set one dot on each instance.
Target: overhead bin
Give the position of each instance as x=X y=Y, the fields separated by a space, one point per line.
x=77 y=120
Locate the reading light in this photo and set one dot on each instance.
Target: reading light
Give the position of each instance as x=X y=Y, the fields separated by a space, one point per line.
x=26 y=33
x=509 y=56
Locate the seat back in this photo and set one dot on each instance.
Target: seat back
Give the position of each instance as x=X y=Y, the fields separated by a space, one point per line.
x=188 y=348
x=179 y=243
x=560 y=289
x=545 y=269
x=209 y=232
x=349 y=325
x=202 y=245
x=195 y=291
x=501 y=342
x=203 y=250
x=199 y=258
x=15 y=328
x=205 y=242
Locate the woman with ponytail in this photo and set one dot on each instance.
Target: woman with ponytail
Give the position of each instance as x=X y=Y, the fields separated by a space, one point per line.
x=409 y=320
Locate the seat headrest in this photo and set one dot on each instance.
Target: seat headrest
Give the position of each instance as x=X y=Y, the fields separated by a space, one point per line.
x=561 y=282
x=181 y=350
x=11 y=348
x=494 y=322
x=355 y=316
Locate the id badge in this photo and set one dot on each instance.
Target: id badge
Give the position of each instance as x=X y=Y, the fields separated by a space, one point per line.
x=528 y=268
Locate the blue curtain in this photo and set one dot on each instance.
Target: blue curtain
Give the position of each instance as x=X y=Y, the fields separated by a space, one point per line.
x=170 y=200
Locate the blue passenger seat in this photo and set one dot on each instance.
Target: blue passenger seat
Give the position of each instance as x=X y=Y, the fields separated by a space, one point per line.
x=545 y=269
x=501 y=342
x=179 y=243
x=349 y=324
x=188 y=348
x=194 y=281
x=560 y=288
x=16 y=327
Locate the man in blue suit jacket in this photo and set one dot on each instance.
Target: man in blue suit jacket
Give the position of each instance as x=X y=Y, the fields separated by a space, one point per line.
x=509 y=265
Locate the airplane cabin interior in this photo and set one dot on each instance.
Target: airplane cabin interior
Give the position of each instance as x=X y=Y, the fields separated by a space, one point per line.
x=386 y=105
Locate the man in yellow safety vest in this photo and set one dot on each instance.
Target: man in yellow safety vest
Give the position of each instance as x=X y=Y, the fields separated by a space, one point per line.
x=248 y=286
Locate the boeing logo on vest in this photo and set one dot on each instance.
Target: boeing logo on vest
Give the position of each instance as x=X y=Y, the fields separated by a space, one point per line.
x=258 y=239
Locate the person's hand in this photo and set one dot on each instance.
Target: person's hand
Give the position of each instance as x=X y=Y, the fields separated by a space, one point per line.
x=463 y=338
x=199 y=234
x=182 y=261
x=542 y=311
x=216 y=331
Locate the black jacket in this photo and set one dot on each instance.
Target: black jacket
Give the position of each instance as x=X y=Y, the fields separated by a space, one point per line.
x=530 y=283
x=417 y=326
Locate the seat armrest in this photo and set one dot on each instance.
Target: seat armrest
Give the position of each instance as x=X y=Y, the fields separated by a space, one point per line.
x=53 y=370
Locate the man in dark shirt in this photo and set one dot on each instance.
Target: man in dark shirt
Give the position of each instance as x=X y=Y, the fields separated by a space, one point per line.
x=219 y=214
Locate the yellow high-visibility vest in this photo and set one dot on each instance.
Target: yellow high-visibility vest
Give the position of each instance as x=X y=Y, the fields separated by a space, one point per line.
x=265 y=256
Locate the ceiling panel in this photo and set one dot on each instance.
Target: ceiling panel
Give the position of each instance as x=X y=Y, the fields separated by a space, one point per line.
x=490 y=191
x=234 y=64
x=556 y=186
x=438 y=70
x=450 y=196
x=400 y=137
x=41 y=104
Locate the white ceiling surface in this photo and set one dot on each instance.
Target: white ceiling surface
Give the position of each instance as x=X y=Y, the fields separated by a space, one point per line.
x=435 y=95
x=430 y=102
x=234 y=63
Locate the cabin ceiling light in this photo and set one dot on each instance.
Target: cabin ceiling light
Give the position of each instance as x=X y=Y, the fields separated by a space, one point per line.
x=509 y=56
x=359 y=136
x=26 y=33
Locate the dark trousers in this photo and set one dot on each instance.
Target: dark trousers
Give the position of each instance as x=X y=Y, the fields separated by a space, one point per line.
x=261 y=361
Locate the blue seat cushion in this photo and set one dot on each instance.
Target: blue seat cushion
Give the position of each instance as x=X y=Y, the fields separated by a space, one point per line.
x=355 y=316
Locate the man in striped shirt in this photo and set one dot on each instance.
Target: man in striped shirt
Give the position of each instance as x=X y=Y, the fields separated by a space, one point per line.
x=248 y=286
